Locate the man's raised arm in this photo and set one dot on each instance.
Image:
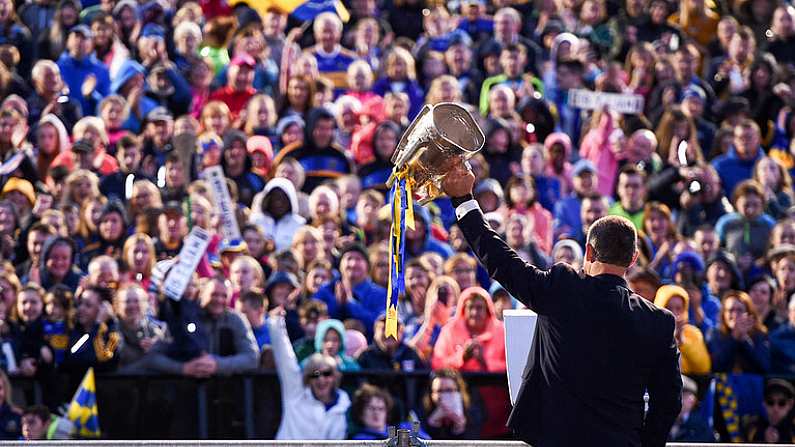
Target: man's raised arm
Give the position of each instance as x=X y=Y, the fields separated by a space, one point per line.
x=521 y=279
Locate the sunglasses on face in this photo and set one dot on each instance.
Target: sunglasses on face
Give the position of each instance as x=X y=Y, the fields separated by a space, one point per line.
x=776 y=403
x=325 y=373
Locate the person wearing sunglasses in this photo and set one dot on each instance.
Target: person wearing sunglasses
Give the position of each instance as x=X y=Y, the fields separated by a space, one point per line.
x=777 y=428
x=313 y=405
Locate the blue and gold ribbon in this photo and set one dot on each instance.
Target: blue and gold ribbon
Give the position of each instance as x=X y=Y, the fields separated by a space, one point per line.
x=402 y=217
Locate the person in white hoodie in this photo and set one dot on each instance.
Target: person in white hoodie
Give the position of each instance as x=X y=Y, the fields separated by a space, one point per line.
x=275 y=210
x=313 y=405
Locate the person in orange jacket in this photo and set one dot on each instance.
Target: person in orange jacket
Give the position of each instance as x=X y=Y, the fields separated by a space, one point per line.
x=695 y=358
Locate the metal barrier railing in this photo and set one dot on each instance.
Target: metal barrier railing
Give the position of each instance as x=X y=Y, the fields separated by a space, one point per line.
x=236 y=407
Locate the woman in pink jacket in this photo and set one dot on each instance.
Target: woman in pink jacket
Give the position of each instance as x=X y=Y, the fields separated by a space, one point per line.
x=474 y=340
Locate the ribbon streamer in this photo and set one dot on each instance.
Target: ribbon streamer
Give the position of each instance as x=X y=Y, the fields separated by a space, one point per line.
x=402 y=217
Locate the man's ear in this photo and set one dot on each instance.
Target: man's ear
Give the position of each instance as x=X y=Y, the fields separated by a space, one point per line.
x=634 y=259
x=589 y=254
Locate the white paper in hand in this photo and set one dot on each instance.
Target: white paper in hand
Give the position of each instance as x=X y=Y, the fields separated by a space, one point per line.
x=179 y=276
x=520 y=328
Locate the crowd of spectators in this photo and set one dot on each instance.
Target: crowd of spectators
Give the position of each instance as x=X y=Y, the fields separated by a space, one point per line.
x=112 y=111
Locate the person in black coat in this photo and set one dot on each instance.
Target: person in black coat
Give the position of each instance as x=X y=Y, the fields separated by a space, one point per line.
x=598 y=346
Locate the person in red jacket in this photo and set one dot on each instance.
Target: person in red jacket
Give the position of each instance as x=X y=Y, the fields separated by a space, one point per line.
x=239 y=86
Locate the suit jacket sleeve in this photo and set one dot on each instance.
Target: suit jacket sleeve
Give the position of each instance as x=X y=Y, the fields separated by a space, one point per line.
x=665 y=392
x=524 y=281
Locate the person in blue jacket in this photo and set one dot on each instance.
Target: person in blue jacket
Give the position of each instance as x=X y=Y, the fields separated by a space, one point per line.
x=78 y=65
x=782 y=344
x=130 y=83
x=353 y=294
x=739 y=343
x=738 y=164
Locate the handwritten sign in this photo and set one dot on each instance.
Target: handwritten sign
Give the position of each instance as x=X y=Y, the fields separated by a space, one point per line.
x=179 y=276
x=617 y=102
x=214 y=176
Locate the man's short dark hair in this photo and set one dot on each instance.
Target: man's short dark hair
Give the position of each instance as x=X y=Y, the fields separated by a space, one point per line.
x=574 y=65
x=613 y=240
x=254 y=298
x=40 y=411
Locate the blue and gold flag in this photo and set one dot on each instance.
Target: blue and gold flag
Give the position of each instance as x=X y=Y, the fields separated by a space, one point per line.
x=83 y=408
x=300 y=9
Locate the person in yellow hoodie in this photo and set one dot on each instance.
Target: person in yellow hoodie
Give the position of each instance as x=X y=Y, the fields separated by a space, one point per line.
x=695 y=358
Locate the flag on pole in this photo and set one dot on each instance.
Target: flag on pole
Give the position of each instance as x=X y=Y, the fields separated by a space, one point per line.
x=300 y=9
x=83 y=408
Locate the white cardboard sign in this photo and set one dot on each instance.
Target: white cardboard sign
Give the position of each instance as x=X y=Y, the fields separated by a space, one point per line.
x=520 y=327
x=179 y=276
x=214 y=176
x=629 y=104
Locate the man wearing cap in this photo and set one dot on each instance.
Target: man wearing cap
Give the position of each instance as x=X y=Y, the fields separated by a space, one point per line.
x=239 y=84
x=567 y=211
x=778 y=427
x=353 y=294
x=690 y=426
x=598 y=347
x=694 y=101
x=158 y=133
x=87 y=78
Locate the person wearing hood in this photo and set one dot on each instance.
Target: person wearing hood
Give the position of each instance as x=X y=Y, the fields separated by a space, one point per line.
x=474 y=340
x=112 y=231
x=320 y=156
x=130 y=83
x=695 y=359
x=500 y=151
x=375 y=173
x=238 y=168
x=738 y=164
x=313 y=405
x=57 y=265
x=353 y=294
x=420 y=240
x=330 y=341
x=723 y=274
x=275 y=210
x=87 y=78
x=557 y=148
x=51 y=140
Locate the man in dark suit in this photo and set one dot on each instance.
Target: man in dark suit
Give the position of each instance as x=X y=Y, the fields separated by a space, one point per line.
x=598 y=347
